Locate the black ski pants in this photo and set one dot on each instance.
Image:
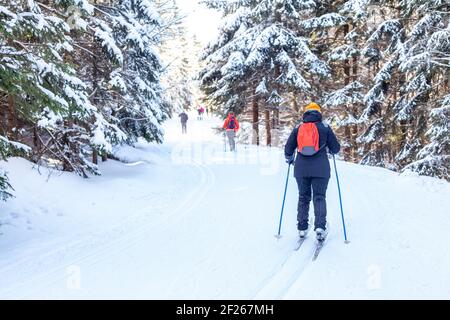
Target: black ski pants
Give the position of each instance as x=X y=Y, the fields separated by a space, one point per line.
x=319 y=189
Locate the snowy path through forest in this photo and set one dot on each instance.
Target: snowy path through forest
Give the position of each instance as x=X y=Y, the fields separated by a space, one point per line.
x=186 y=220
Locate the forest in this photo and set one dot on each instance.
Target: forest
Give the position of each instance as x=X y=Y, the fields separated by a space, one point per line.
x=79 y=77
x=380 y=70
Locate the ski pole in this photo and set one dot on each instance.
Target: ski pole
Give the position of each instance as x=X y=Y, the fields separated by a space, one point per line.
x=340 y=201
x=224 y=142
x=278 y=236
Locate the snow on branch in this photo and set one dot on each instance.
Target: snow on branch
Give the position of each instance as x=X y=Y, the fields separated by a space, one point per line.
x=350 y=94
x=290 y=73
x=440 y=41
x=148 y=9
x=325 y=21
x=372 y=133
x=15 y=145
x=424 y=25
x=343 y=52
x=356 y=9
x=83 y=4
x=234 y=66
x=404 y=108
x=420 y=61
x=385 y=72
x=104 y=34
x=262 y=88
x=418 y=84
x=390 y=29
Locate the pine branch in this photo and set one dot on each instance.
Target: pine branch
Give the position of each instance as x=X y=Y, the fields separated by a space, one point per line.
x=61 y=152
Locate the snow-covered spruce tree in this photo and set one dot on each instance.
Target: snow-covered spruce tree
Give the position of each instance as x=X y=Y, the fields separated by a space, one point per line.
x=179 y=59
x=9 y=148
x=411 y=44
x=98 y=60
x=42 y=88
x=5 y=186
x=434 y=158
x=425 y=61
x=385 y=33
x=137 y=28
x=225 y=92
x=177 y=77
x=342 y=48
x=263 y=53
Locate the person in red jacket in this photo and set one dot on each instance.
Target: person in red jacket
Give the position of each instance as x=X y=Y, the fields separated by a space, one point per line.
x=231 y=125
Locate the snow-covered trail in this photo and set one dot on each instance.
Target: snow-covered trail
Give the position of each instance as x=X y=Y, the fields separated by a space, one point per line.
x=188 y=221
x=138 y=231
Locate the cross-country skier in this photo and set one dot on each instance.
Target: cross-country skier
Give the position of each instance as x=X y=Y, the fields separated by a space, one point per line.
x=202 y=112
x=184 y=118
x=312 y=169
x=231 y=125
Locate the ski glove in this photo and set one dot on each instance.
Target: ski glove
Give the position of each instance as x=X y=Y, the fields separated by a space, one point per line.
x=290 y=159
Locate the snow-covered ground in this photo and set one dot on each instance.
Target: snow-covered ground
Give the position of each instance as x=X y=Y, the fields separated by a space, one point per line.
x=186 y=220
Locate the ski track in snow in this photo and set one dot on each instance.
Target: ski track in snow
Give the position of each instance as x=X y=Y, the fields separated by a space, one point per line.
x=204 y=230
x=118 y=244
x=278 y=283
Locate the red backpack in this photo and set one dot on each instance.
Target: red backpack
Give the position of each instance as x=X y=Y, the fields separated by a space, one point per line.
x=308 y=139
x=231 y=123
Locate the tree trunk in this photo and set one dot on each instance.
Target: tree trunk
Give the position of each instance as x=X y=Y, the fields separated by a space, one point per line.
x=12 y=123
x=95 y=89
x=255 y=111
x=275 y=127
x=402 y=124
x=276 y=118
x=268 y=126
x=355 y=68
x=354 y=151
x=66 y=142
x=346 y=62
x=447 y=80
x=296 y=108
x=354 y=129
x=36 y=143
x=4 y=118
x=348 y=150
x=94 y=156
x=104 y=157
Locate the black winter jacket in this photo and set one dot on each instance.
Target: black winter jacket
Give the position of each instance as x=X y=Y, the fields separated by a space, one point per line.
x=318 y=164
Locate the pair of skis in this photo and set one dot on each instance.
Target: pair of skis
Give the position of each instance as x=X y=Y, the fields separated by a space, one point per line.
x=317 y=249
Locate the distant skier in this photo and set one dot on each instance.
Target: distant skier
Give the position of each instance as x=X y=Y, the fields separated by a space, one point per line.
x=202 y=112
x=312 y=168
x=231 y=125
x=184 y=118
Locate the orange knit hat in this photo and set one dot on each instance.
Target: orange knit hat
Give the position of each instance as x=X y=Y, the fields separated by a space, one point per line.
x=312 y=106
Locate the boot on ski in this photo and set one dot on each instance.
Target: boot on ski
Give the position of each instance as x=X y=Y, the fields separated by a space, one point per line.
x=321 y=234
x=303 y=233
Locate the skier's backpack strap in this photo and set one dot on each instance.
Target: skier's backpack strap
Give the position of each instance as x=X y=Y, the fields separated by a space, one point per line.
x=231 y=123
